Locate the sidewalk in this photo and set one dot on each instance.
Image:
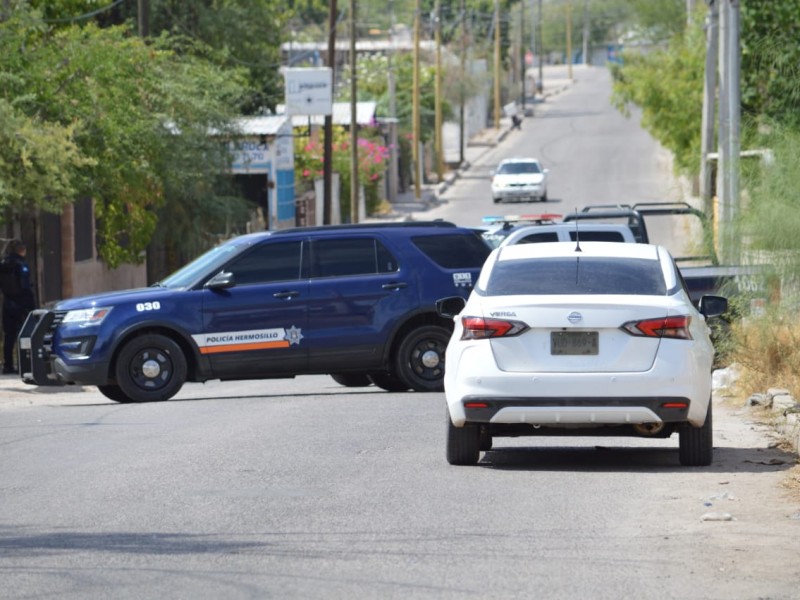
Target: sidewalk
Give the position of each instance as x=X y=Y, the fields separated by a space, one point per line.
x=478 y=145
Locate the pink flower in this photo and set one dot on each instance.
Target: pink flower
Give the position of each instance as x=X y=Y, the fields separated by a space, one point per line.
x=306 y=172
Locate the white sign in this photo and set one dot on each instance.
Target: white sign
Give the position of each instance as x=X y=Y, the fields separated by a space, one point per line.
x=309 y=91
x=251 y=157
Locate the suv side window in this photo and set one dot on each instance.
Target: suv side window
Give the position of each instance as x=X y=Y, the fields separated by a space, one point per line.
x=454 y=251
x=268 y=262
x=544 y=236
x=355 y=256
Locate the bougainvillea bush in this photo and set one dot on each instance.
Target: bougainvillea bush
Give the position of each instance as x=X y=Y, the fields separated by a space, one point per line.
x=373 y=158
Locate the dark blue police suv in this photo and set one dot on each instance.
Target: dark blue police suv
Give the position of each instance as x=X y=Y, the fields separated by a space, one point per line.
x=353 y=301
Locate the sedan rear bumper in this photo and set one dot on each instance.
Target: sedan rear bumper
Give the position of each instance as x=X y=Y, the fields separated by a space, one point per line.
x=576 y=411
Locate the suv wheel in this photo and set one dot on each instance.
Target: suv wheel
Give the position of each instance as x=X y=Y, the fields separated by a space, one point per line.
x=351 y=379
x=150 y=368
x=696 y=446
x=463 y=443
x=420 y=358
x=387 y=381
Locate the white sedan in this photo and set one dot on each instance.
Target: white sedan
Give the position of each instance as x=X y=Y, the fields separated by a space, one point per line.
x=595 y=338
x=519 y=179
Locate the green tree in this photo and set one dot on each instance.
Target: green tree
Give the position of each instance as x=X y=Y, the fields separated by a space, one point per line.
x=133 y=112
x=667 y=84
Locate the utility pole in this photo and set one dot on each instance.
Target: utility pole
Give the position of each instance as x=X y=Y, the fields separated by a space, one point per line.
x=327 y=157
x=708 y=142
x=585 y=32
x=393 y=170
x=730 y=111
x=534 y=49
x=569 y=39
x=497 y=64
x=354 y=185
x=439 y=144
x=462 y=94
x=522 y=49
x=415 y=127
x=143 y=17
x=540 y=83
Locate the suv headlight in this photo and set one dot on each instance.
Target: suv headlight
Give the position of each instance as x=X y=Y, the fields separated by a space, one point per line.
x=86 y=316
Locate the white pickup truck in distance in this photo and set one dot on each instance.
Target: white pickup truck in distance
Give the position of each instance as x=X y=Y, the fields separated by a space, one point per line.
x=566 y=232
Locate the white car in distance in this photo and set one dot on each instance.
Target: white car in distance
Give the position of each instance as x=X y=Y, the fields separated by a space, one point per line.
x=519 y=180
x=594 y=338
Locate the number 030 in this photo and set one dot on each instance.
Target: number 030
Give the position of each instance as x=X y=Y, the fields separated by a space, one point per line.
x=143 y=306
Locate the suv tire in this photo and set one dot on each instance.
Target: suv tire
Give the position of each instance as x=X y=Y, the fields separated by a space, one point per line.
x=420 y=358
x=463 y=443
x=696 y=448
x=150 y=368
x=114 y=392
x=387 y=381
x=351 y=379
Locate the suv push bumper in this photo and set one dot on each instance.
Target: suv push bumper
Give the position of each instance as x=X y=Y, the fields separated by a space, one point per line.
x=37 y=363
x=33 y=353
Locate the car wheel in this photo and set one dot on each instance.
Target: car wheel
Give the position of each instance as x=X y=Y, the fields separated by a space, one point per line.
x=114 y=392
x=463 y=444
x=351 y=379
x=496 y=200
x=485 y=439
x=387 y=381
x=544 y=197
x=150 y=368
x=696 y=447
x=420 y=358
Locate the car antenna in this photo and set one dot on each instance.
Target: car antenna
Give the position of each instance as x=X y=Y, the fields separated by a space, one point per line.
x=577 y=233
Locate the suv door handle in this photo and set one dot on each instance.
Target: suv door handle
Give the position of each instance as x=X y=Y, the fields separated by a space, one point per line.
x=286 y=294
x=396 y=285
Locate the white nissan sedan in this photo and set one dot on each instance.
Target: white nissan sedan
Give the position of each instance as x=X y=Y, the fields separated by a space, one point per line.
x=593 y=338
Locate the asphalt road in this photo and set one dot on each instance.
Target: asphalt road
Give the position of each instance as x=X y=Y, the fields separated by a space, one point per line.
x=305 y=489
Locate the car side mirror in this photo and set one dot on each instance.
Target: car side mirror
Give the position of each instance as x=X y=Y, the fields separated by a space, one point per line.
x=450 y=307
x=713 y=306
x=221 y=281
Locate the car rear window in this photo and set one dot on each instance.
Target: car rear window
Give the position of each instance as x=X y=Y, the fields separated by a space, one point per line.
x=597 y=236
x=579 y=275
x=454 y=251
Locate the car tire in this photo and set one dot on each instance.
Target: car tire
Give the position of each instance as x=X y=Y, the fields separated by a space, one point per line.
x=543 y=197
x=420 y=358
x=496 y=200
x=150 y=368
x=387 y=381
x=115 y=393
x=463 y=443
x=352 y=379
x=696 y=446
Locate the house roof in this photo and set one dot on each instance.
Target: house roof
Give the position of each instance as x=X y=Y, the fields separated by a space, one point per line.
x=365 y=114
x=262 y=125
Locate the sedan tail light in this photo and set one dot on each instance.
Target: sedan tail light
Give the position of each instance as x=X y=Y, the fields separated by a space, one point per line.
x=676 y=327
x=478 y=328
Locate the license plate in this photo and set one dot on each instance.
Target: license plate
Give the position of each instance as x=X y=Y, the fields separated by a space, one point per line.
x=574 y=343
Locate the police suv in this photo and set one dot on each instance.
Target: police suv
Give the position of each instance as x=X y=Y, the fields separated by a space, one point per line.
x=353 y=301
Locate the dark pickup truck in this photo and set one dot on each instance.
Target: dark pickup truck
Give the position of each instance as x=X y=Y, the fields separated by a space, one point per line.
x=703 y=273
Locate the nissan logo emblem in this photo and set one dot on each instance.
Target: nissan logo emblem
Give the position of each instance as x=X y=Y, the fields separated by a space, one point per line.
x=574 y=317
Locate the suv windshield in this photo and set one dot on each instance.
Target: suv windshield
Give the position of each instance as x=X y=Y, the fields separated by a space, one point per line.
x=205 y=265
x=584 y=275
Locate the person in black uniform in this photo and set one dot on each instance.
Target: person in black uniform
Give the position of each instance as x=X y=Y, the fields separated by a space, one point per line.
x=18 y=300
